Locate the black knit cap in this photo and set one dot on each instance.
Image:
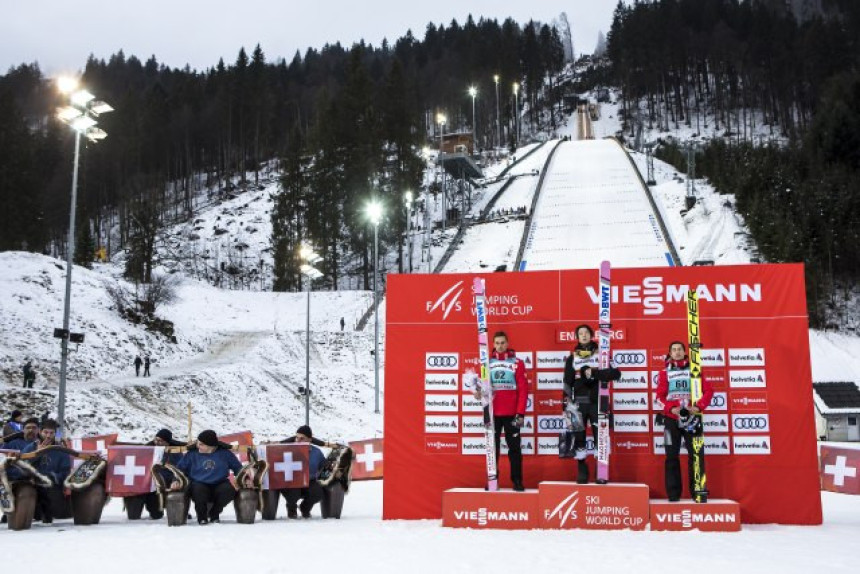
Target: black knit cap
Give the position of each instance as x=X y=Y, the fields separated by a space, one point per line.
x=208 y=437
x=15 y=414
x=165 y=435
x=305 y=430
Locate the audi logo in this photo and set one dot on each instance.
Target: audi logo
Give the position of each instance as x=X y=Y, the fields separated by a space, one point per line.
x=718 y=401
x=551 y=424
x=629 y=358
x=441 y=361
x=750 y=423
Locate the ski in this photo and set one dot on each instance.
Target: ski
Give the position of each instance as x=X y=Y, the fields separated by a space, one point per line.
x=604 y=324
x=700 y=492
x=479 y=290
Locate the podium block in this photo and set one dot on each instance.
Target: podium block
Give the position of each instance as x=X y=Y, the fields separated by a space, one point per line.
x=716 y=515
x=567 y=505
x=478 y=508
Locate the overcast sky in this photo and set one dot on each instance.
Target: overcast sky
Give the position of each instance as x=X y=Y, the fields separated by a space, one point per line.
x=60 y=34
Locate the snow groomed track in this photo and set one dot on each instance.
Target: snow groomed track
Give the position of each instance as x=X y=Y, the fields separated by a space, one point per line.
x=594 y=206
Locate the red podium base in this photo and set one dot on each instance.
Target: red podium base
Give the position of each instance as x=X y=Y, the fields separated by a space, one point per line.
x=567 y=505
x=717 y=515
x=478 y=508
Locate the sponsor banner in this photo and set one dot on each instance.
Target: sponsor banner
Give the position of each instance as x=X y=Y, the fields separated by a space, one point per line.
x=473 y=446
x=547 y=445
x=840 y=469
x=631 y=445
x=528 y=444
x=717 y=444
x=566 y=505
x=747 y=379
x=470 y=404
x=568 y=337
x=550 y=424
x=630 y=358
x=718 y=423
x=368 y=457
x=129 y=469
x=751 y=423
x=713 y=357
x=655 y=379
x=441 y=403
x=637 y=423
x=475 y=508
x=751 y=444
x=440 y=382
x=442 y=362
x=528 y=359
x=548 y=403
x=551 y=359
x=550 y=381
x=441 y=424
x=631 y=380
x=746 y=357
x=719 y=402
x=442 y=444
x=717 y=378
x=748 y=401
x=715 y=516
x=629 y=402
x=289 y=465
x=530 y=404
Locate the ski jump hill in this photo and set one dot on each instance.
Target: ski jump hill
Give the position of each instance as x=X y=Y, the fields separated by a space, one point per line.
x=593 y=205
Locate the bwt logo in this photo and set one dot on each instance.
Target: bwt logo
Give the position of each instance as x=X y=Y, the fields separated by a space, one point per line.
x=447 y=302
x=565 y=510
x=653 y=294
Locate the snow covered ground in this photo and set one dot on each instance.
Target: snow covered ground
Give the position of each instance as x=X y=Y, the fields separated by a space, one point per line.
x=362 y=542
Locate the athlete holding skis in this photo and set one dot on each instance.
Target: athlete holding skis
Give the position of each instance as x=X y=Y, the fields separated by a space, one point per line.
x=510 y=394
x=581 y=381
x=673 y=390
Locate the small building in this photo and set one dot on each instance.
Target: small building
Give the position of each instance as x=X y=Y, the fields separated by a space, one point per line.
x=461 y=142
x=837 y=410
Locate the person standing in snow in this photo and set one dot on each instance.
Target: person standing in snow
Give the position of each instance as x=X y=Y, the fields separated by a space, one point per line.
x=137 y=363
x=29 y=374
x=581 y=383
x=510 y=395
x=146 y=366
x=673 y=390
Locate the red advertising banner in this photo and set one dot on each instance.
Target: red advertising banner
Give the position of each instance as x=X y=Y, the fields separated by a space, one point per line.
x=129 y=469
x=840 y=469
x=760 y=431
x=368 y=459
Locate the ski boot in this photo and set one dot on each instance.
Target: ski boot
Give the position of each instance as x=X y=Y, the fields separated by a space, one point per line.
x=582 y=472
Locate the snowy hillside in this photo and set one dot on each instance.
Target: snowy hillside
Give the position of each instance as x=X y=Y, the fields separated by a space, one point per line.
x=239 y=360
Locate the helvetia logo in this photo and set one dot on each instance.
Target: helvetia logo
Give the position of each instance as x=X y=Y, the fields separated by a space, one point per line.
x=566 y=509
x=653 y=294
x=447 y=302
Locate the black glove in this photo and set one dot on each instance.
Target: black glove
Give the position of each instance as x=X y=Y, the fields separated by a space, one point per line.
x=518 y=421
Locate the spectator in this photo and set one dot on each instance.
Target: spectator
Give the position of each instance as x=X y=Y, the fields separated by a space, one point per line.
x=137 y=363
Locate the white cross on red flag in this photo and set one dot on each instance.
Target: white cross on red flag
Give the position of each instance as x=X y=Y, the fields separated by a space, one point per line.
x=99 y=443
x=129 y=470
x=288 y=465
x=368 y=459
x=241 y=438
x=840 y=469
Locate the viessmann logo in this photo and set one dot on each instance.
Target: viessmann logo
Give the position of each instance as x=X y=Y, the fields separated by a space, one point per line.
x=687 y=518
x=653 y=294
x=482 y=516
x=447 y=302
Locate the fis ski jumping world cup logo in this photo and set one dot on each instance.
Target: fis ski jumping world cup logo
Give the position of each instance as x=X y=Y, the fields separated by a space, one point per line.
x=653 y=294
x=448 y=301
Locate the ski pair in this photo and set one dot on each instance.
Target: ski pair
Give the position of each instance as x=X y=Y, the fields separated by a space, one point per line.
x=700 y=491
x=479 y=290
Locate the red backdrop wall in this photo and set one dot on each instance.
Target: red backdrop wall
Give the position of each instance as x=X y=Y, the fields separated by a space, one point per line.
x=761 y=448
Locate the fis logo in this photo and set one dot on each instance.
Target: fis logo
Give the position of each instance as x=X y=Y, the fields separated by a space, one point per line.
x=566 y=509
x=653 y=295
x=447 y=302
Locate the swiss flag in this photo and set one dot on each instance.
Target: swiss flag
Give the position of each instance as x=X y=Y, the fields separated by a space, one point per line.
x=241 y=438
x=129 y=469
x=288 y=465
x=840 y=469
x=368 y=459
x=99 y=443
